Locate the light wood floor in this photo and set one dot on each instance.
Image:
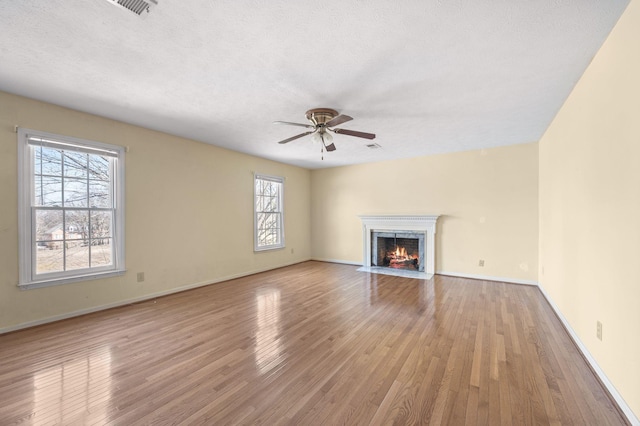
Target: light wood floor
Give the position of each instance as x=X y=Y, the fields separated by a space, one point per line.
x=311 y=344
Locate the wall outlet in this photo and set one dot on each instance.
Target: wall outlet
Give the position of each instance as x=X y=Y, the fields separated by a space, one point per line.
x=481 y=262
x=599 y=330
x=291 y=251
x=140 y=277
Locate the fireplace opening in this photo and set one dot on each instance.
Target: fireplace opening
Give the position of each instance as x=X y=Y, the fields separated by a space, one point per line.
x=398 y=250
x=400 y=253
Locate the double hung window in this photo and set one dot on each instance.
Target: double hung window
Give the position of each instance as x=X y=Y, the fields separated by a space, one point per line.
x=268 y=206
x=71 y=214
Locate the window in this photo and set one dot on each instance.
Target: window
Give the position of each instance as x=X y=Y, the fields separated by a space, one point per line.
x=71 y=209
x=268 y=221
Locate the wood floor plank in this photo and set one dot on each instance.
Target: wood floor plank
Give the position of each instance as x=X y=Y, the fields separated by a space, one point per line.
x=314 y=343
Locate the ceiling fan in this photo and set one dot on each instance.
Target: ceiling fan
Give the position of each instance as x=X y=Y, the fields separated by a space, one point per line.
x=323 y=121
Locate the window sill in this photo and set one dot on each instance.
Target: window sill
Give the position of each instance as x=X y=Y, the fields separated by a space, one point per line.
x=67 y=280
x=268 y=248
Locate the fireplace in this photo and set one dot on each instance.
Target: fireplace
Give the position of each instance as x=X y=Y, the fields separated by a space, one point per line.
x=399 y=245
x=398 y=250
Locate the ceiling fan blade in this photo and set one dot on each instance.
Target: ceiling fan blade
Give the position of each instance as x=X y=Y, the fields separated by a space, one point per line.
x=338 y=120
x=308 y=126
x=292 y=138
x=355 y=133
x=330 y=147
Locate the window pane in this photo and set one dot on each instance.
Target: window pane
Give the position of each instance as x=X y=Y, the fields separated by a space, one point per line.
x=99 y=167
x=49 y=225
x=48 y=191
x=100 y=226
x=261 y=220
x=77 y=255
x=51 y=160
x=99 y=194
x=262 y=237
x=101 y=252
x=75 y=164
x=49 y=257
x=75 y=192
x=37 y=159
x=77 y=223
x=37 y=191
x=268 y=221
x=270 y=204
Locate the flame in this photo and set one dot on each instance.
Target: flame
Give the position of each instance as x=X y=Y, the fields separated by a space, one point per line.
x=401 y=253
x=401 y=259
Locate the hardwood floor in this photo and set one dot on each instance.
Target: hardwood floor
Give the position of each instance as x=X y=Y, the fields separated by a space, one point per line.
x=315 y=343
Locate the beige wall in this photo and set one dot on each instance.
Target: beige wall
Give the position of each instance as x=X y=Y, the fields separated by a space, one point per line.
x=590 y=207
x=487 y=199
x=189 y=213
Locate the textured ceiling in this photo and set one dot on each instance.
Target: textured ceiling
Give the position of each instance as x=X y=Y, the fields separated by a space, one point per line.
x=426 y=76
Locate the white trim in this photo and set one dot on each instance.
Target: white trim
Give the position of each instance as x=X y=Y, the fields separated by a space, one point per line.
x=344 y=262
x=624 y=407
x=488 y=278
x=68 y=280
x=384 y=270
x=80 y=312
x=25 y=247
x=450 y=274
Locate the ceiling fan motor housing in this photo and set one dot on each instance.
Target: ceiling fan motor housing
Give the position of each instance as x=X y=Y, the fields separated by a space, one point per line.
x=320 y=116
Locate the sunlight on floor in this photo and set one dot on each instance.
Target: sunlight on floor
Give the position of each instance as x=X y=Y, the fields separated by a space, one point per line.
x=73 y=391
x=268 y=346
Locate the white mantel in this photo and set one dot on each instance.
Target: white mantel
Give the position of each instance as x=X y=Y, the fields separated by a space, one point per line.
x=415 y=223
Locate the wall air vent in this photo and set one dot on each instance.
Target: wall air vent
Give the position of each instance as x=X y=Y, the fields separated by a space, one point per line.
x=136 y=6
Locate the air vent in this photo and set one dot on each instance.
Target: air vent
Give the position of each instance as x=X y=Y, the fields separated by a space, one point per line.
x=373 y=146
x=136 y=6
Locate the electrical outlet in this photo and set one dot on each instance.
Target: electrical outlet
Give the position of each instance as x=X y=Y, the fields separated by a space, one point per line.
x=481 y=262
x=140 y=277
x=291 y=251
x=599 y=330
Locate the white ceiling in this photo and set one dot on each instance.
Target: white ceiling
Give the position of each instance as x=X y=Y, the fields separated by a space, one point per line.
x=427 y=77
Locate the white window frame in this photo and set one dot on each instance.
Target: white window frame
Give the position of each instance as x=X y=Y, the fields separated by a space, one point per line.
x=256 y=243
x=28 y=278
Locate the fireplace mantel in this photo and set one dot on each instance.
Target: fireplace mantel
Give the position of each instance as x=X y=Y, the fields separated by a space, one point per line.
x=416 y=223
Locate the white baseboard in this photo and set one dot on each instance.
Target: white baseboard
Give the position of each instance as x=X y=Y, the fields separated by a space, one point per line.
x=488 y=278
x=80 y=312
x=344 y=262
x=594 y=365
x=451 y=274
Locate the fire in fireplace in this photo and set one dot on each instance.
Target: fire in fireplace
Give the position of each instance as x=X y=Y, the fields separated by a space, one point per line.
x=399 y=257
x=398 y=250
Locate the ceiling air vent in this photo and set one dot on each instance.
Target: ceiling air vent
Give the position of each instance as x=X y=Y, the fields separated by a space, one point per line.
x=136 y=6
x=373 y=146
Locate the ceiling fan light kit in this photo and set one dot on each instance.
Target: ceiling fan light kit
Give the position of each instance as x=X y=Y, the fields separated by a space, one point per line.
x=322 y=122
